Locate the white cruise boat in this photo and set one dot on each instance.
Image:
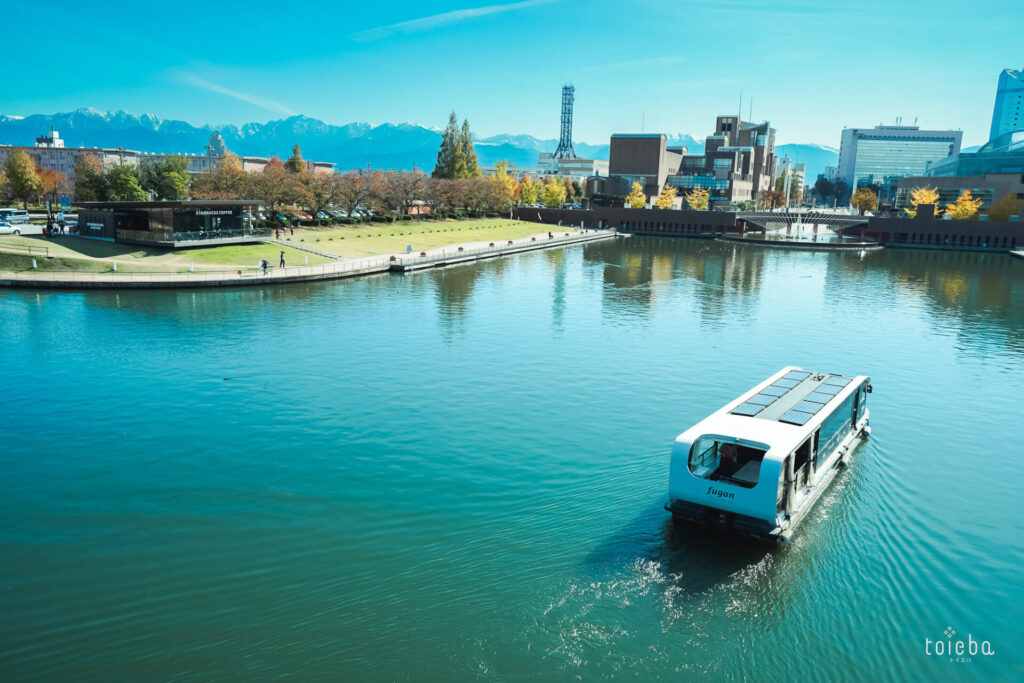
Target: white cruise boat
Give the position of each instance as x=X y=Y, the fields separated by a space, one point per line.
x=758 y=465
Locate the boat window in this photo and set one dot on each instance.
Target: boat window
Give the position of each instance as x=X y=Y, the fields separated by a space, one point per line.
x=726 y=461
x=836 y=426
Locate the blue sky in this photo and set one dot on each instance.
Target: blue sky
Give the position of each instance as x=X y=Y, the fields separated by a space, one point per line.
x=811 y=67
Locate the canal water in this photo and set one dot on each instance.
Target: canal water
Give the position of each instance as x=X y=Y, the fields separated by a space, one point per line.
x=460 y=473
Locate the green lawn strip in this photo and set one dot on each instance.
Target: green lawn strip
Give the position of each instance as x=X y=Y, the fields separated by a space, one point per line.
x=23 y=263
x=249 y=255
x=357 y=240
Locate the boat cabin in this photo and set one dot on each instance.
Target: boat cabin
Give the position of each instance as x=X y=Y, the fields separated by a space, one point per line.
x=759 y=463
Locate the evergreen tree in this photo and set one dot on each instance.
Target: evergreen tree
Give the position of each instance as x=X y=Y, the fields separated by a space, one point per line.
x=445 y=167
x=295 y=163
x=466 y=143
x=123 y=184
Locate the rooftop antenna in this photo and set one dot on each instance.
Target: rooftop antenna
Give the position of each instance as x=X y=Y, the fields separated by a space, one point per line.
x=643 y=121
x=739 y=112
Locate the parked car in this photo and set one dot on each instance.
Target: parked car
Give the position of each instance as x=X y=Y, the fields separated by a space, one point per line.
x=321 y=214
x=8 y=229
x=281 y=218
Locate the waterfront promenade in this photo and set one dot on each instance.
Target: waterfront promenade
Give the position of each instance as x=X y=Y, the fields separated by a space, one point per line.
x=404 y=262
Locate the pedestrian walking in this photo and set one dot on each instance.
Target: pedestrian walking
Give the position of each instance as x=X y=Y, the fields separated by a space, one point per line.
x=282 y=260
x=264 y=263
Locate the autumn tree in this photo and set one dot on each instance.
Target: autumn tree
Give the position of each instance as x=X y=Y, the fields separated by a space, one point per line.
x=923 y=195
x=1008 y=206
x=697 y=199
x=321 y=190
x=274 y=186
x=965 y=208
x=227 y=181
x=123 y=184
x=529 y=191
x=667 y=198
x=636 y=198
x=864 y=200
x=4 y=190
x=23 y=181
x=166 y=178
x=504 y=184
x=295 y=163
x=554 y=193
x=54 y=182
x=353 y=190
x=90 y=182
x=405 y=188
x=772 y=198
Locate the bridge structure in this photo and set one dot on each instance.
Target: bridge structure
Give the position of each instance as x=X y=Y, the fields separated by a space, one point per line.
x=788 y=219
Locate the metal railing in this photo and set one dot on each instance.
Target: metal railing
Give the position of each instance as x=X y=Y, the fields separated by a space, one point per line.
x=26 y=249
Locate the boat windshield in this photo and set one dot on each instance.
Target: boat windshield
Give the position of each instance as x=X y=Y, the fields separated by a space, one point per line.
x=719 y=459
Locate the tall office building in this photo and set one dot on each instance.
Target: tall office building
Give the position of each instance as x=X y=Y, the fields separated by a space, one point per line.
x=1008 y=114
x=884 y=154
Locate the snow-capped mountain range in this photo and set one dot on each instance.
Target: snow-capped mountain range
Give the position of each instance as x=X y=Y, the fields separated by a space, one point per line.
x=352 y=145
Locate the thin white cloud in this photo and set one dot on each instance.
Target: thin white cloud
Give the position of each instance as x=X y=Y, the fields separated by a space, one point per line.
x=192 y=79
x=443 y=19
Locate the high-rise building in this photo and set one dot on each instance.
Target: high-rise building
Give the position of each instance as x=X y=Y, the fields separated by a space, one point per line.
x=882 y=155
x=1008 y=113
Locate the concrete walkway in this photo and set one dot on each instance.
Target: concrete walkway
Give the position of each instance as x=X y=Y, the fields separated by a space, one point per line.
x=434 y=258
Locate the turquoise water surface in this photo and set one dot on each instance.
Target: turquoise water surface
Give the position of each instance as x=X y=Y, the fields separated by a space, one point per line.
x=460 y=473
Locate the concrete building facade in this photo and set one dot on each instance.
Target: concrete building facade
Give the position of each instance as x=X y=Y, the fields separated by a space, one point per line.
x=884 y=154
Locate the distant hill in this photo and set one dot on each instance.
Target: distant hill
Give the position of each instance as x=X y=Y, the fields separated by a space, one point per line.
x=352 y=145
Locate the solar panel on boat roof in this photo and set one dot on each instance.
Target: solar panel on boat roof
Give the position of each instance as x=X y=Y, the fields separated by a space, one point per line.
x=748 y=409
x=829 y=389
x=819 y=397
x=838 y=381
x=796 y=417
x=762 y=399
x=774 y=391
x=808 y=407
x=787 y=383
x=798 y=375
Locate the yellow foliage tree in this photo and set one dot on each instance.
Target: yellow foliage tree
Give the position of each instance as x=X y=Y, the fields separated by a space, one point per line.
x=864 y=200
x=1001 y=210
x=666 y=198
x=554 y=194
x=698 y=198
x=636 y=198
x=923 y=195
x=529 y=191
x=964 y=208
x=504 y=184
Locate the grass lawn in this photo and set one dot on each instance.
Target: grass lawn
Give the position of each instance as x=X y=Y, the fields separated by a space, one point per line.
x=152 y=258
x=23 y=262
x=391 y=238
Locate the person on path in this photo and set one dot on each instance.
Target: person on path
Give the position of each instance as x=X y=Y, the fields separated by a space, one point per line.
x=282 y=259
x=263 y=264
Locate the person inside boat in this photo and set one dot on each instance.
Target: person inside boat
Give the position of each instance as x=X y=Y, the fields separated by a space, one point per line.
x=727 y=464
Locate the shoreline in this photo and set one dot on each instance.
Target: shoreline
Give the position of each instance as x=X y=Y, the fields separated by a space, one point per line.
x=466 y=252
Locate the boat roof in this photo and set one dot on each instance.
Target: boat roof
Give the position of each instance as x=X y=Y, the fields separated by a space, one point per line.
x=780 y=412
